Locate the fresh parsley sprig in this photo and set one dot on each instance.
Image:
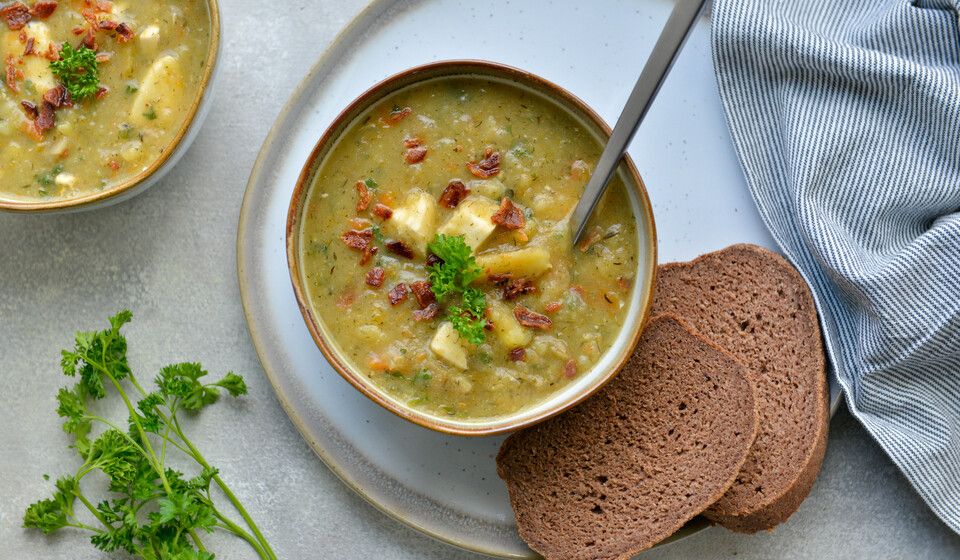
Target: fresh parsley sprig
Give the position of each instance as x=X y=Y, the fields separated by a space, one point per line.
x=454 y=275
x=78 y=71
x=154 y=512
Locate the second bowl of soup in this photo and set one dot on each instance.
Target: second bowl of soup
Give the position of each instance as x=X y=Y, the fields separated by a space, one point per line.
x=431 y=252
x=100 y=97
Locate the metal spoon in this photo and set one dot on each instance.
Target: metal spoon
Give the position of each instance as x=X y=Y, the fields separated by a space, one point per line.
x=671 y=40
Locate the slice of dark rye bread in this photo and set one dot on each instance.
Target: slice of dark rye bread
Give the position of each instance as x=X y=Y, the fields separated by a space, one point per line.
x=628 y=467
x=754 y=304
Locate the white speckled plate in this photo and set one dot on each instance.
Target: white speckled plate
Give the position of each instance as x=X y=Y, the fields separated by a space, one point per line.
x=447 y=486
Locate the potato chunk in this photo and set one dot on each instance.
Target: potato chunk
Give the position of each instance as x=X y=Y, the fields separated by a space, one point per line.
x=36 y=69
x=161 y=94
x=447 y=345
x=529 y=262
x=510 y=333
x=490 y=188
x=415 y=221
x=472 y=220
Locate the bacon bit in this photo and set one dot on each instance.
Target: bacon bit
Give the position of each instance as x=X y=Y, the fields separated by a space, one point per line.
x=596 y=234
x=623 y=283
x=346 y=299
x=13 y=75
x=30 y=109
x=398 y=115
x=47 y=118
x=361 y=241
x=382 y=211
x=570 y=369
x=518 y=287
x=28 y=49
x=90 y=16
x=89 y=40
x=104 y=57
x=553 y=307
x=30 y=129
x=375 y=276
x=124 y=33
x=108 y=25
x=499 y=279
x=42 y=9
x=397 y=294
x=427 y=313
x=104 y=5
x=78 y=30
x=400 y=248
x=53 y=53
x=114 y=164
x=488 y=166
x=102 y=92
x=421 y=290
x=518 y=355
x=363 y=196
x=16 y=15
x=509 y=215
x=415 y=155
x=416 y=151
x=532 y=319
x=58 y=96
x=455 y=192
x=433 y=260
x=578 y=289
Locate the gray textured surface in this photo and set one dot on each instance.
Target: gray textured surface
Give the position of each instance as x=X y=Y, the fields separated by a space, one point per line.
x=169 y=256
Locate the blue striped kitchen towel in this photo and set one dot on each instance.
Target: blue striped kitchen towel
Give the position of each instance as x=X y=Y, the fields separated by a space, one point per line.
x=846 y=118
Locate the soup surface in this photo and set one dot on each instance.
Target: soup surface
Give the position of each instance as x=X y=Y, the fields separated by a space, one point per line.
x=95 y=91
x=436 y=248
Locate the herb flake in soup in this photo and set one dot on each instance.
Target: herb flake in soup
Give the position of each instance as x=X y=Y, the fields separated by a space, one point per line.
x=94 y=91
x=436 y=248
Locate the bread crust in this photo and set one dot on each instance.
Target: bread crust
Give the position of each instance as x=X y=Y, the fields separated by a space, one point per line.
x=786 y=488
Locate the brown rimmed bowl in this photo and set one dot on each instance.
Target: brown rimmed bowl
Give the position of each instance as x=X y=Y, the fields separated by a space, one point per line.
x=640 y=300
x=199 y=108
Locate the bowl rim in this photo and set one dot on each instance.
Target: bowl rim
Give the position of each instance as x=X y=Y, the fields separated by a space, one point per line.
x=139 y=179
x=432 y=70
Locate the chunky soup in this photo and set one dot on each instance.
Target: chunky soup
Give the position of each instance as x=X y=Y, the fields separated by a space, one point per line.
x=437 y=252
x=95 y=91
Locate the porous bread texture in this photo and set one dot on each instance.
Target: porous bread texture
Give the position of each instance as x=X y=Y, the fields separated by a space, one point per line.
x=755 y=305
x=631 y=465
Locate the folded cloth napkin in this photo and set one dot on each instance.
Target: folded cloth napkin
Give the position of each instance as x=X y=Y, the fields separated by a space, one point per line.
x=846 y=119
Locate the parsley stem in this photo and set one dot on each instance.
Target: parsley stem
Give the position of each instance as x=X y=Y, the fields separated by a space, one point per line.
x=79 y=525
x=196 y=540
x=93 y=510
x=238 y=531
x=226 y=490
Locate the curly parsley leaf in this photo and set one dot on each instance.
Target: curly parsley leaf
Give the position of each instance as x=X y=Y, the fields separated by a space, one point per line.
x=53 y=513
x=78 y=71
x=453 y=275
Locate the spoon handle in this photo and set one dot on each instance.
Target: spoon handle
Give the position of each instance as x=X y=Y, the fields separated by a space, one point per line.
x=671 y=40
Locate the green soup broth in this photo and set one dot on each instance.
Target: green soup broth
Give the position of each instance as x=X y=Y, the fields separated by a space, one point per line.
x=546 y=156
